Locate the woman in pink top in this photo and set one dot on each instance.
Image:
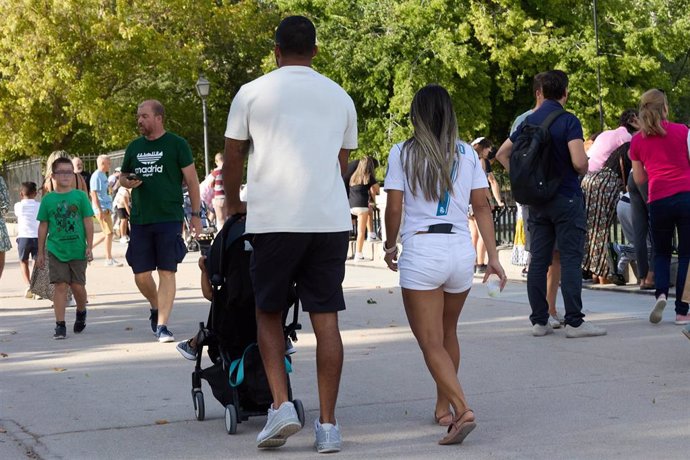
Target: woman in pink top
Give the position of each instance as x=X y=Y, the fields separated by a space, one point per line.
x=659 y=154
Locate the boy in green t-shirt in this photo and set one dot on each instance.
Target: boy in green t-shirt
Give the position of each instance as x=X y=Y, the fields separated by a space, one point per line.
x=66 y=221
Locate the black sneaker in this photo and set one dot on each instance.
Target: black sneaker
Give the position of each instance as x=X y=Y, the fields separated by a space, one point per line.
x=60 y=330
x=154 y=320
x=80 y=322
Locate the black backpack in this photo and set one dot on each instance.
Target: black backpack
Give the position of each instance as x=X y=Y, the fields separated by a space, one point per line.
x=534 y=177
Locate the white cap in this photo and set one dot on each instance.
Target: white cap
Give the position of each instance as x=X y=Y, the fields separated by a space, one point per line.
x=477 y=141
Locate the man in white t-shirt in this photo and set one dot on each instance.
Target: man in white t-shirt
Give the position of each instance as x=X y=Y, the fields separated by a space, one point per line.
x=296 y=128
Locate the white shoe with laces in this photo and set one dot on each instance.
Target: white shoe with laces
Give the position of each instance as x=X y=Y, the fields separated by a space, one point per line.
x=113 y=263
x=328 y=439
x=280 y=424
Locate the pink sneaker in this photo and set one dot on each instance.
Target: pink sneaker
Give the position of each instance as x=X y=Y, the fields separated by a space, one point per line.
x=682 y=319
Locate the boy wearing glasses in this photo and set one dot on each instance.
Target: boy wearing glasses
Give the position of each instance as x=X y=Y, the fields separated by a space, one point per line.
x=65 y=217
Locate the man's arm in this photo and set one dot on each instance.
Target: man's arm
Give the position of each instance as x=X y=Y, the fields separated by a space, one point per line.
x=192 y=181
x=578 y=157
x=503 y=154
x=96 y=202
x=88 y=230
x=233 y=170
x=343 y=156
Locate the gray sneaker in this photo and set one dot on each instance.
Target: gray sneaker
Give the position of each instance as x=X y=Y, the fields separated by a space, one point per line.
x=328 y=438
x=539 y=330
x=554 y=322
x=658 y=310
x=280 y=424
x=586 y=329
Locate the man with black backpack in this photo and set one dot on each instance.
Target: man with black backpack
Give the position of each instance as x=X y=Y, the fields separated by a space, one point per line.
x=544 y=156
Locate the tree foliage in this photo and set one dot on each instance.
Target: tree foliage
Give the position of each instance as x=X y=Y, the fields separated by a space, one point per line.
x=72 y=71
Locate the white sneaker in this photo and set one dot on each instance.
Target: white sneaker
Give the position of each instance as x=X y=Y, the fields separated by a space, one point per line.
x=28 y=294
x=554 y=322
x=658 y=310
x=280 y=424
x=124 y=240
x=112 y=263
x=540 y=331
x=586 y=329
x=328 y=439
x=359 y=256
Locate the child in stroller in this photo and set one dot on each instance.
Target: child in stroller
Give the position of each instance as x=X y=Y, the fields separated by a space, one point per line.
x=237 y=377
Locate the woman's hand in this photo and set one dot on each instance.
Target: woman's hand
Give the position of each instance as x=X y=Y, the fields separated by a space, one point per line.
x=391 y=258
x=494 y=267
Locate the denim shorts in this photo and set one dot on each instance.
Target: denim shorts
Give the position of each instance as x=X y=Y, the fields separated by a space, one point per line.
x=27 y=247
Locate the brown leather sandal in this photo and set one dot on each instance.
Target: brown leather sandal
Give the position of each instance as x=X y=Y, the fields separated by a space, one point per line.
x=458 y=430
x=443 y=420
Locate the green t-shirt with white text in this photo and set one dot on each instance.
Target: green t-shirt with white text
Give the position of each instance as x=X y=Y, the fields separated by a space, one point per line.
x=158 y=164
x=65 y=213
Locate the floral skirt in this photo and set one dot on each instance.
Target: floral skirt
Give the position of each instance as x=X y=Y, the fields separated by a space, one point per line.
x=5 y=244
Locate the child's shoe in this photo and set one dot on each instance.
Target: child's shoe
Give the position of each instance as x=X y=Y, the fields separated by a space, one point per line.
x=60 y=330
x=80 y=322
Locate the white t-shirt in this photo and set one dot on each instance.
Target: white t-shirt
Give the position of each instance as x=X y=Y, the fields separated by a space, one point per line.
x=26 y=212
x=420 y=213
x=297 y=121
x=121 y=197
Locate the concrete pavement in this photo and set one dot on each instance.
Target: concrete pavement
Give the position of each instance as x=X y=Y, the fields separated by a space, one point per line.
x=114 y=393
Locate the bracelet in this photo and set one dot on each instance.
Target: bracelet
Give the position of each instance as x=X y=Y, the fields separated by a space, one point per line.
x=196 y=213
x=390 y=250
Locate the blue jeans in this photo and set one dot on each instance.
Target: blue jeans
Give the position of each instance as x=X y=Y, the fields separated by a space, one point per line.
x=667 y=215
x=561 y=220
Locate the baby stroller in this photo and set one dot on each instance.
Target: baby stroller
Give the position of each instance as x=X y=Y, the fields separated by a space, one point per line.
x=237 y=377
x=208 y=227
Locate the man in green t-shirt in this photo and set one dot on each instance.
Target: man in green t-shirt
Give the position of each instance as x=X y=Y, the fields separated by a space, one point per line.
x=67 y=225
x=154 y=167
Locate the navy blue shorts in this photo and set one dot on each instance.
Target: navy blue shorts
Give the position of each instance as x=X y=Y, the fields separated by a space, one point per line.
x=315 y=261
x=27 y=247
x=155 y=246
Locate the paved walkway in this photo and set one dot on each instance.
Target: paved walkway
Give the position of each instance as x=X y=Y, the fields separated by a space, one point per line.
x=114 y=393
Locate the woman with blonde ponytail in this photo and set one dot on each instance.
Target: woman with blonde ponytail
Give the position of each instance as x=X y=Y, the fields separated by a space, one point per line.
x=659 y=154
x=437 y=176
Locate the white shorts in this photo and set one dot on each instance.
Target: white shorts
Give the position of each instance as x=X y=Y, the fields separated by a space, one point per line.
x=432 y=260
x=358 y=211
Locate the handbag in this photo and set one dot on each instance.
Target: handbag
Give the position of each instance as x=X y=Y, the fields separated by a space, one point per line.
x=40 y=282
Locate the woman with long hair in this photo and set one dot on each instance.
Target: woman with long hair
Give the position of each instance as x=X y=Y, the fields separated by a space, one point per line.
x=437 y=176
x=363 y=190
x=659 y=154
x=78 y=181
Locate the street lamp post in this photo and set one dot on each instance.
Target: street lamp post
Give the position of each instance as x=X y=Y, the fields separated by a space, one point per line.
x=203 y=87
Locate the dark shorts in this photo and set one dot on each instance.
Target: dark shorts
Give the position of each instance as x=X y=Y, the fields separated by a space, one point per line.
x=122 y=213
x=314 y=261
x=154 y=246
x=70 y=272
x=27 y=247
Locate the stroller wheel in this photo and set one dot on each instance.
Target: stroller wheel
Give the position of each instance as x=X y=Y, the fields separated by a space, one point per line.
x=230 y=419
x=299 y=407
x=193 y=245
x=199 y=409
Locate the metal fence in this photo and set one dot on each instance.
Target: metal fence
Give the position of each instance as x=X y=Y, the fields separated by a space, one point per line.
x=32 y=170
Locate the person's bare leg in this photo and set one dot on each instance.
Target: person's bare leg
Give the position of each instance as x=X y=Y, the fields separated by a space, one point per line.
x=123 y=228
x=361 y=231
x=147 y=287
x=166 y=295
x=329 y=361
x=452 y=306
x=60 y=300
x=24 y=266
x=2 y=262
x=269 y=331
x=370 y=222
x=108 y=246
x=424 y=311
x=553 y=279
x=79 y=293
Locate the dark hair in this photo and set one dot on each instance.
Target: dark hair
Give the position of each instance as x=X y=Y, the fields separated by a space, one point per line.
x=28 y=188
x=61 y=161
x=627 y=118
x=613 y=162
x=554 y=84
x=538 y=82
x=484 y=143
x=296 y=35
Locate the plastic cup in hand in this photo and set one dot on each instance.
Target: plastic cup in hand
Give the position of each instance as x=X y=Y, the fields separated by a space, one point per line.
x=493 y=286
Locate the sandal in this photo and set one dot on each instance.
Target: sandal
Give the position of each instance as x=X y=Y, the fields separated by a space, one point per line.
x=458 y=430
x=443 y=420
